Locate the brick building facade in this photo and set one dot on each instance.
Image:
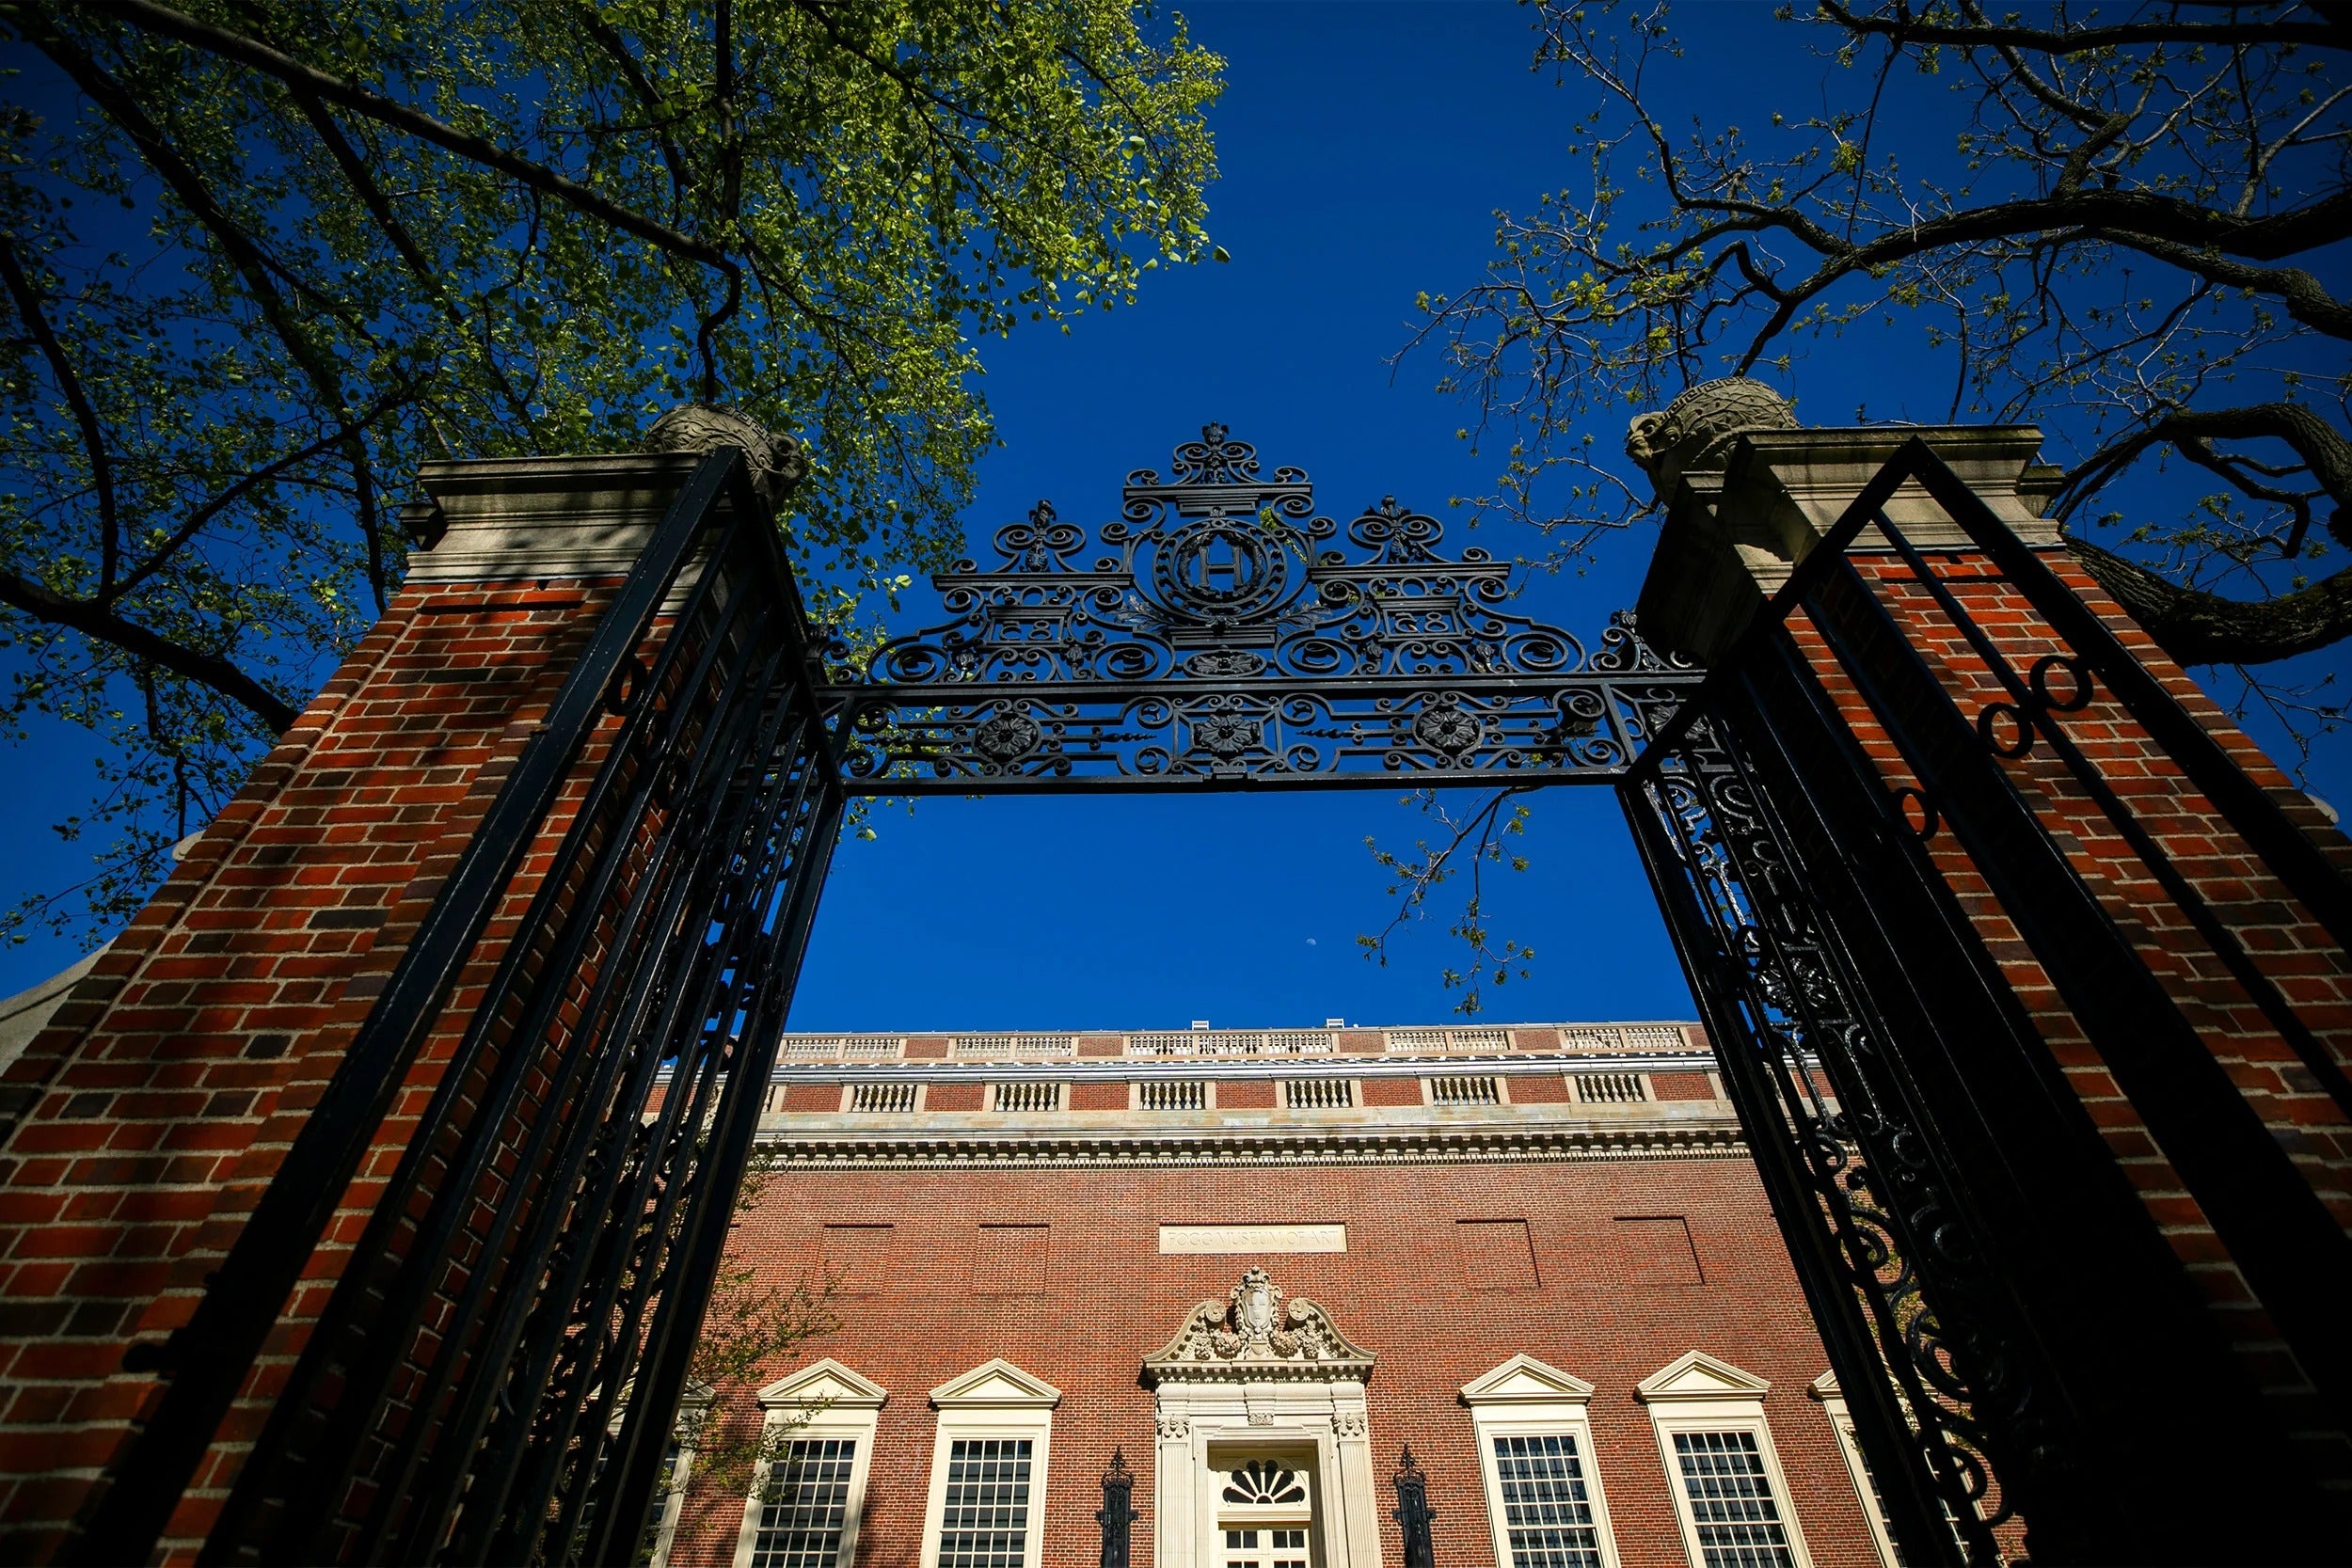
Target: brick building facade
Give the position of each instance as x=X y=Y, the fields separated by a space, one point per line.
x=1257 y=1265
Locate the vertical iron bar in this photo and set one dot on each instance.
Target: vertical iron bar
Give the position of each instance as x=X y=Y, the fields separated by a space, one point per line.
x=677 y=1323
x=311 y=1497
x=484 y=1360
x=1906 y=1460
x=207 y=1357
x=682 y=938
x=2292 y=1251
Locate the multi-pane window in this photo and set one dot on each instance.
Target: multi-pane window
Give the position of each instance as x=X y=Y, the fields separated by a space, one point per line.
x=1265 y=1549
x=1732 y=1505
x=985 y=1522
x=1547 y=1506
x=805 y=1505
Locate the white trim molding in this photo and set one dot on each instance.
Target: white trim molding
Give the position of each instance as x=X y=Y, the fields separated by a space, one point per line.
x=694 y=1403
x=1698 y=1393
x=994 y=1400
x=1255 y=1375
x=1833 y=1398
x=823 y=1399
x=1527 y=1398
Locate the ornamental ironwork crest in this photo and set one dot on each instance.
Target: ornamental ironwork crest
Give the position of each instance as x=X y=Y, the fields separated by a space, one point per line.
x=1255 y=1333
x=1221 y=632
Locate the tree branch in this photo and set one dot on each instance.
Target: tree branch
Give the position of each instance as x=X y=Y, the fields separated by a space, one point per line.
x=86 y=416
x=105 y=625
x=2198 y=627
x=334 y=90
x=2329 y=32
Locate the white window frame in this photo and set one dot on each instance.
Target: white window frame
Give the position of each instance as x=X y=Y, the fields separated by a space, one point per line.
x=695 y=1401
x=1833 y=1398
x=823 y=1399
x=1700 y=1393
x=1527 y=1398
x=994 y=1399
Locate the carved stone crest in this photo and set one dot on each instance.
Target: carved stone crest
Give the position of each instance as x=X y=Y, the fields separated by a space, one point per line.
x=1256 y=1334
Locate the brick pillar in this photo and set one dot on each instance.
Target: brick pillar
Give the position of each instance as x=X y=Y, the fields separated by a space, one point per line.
x=140 y=1125
x=1749 y=497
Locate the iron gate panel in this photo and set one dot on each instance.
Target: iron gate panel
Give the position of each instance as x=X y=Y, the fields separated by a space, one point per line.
x=1960 y=1226
x=497 y=1370
x=1225 y=637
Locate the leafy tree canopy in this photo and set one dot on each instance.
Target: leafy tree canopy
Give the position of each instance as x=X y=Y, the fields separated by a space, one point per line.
x=263 y=258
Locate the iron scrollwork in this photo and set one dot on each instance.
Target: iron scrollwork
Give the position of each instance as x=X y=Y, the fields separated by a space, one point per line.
x=1866 y=1169
x=1221 y=632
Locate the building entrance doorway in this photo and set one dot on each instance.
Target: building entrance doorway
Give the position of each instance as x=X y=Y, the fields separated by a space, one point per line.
x=1982 y=904
x=1264 y=1511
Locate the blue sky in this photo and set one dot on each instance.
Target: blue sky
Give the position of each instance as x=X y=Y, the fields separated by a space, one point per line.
x=1365 y=148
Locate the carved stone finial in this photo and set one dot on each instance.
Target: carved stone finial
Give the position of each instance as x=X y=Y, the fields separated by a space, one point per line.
x=1257 y=1333
x=777 y=463
x=1697 y=430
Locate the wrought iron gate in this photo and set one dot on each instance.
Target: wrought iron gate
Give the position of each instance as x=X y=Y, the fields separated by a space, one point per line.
x=496 y=1376
x=1989 y=1285
x=499 y=1366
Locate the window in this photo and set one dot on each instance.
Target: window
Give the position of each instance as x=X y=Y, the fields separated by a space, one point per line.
x=806 y=1501
x=1265 y=1549
x=1731 y=1501
x=987 y=1469
x=1547 y=1510
x=1265 y=1511
x=1833 y=1398
x=1544 y=1500
x=1729 y=1496
x=669 y=1487
x=986 y=1521
x=805 y=1506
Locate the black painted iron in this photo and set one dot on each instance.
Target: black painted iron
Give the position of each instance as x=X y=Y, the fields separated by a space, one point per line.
x=1117 y=1513
x=1962 y=1232
x=1219 y=634
x=1413 y=1514
x=499 y=1369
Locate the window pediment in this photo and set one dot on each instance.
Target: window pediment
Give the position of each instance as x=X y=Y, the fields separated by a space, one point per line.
x=1700 y=1376
x=1524 y=1380
x=997 y=1385
x=827 y=1384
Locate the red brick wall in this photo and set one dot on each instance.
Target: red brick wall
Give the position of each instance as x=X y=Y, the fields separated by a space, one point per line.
x=1681 y=1085
x=1245 y=1093
x=953 y=1097
x=1098 y=1097
x=1539 y=1090
x=2286 y=944
x=1608 y=1307
x=154 y=1109
x=1392 y=1091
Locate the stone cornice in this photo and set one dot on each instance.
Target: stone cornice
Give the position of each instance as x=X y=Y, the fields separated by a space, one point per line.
x=1713 y=1139
x=1131 y=1070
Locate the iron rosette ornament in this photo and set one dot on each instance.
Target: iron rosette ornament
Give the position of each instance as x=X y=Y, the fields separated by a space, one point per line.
x=1220 y=632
